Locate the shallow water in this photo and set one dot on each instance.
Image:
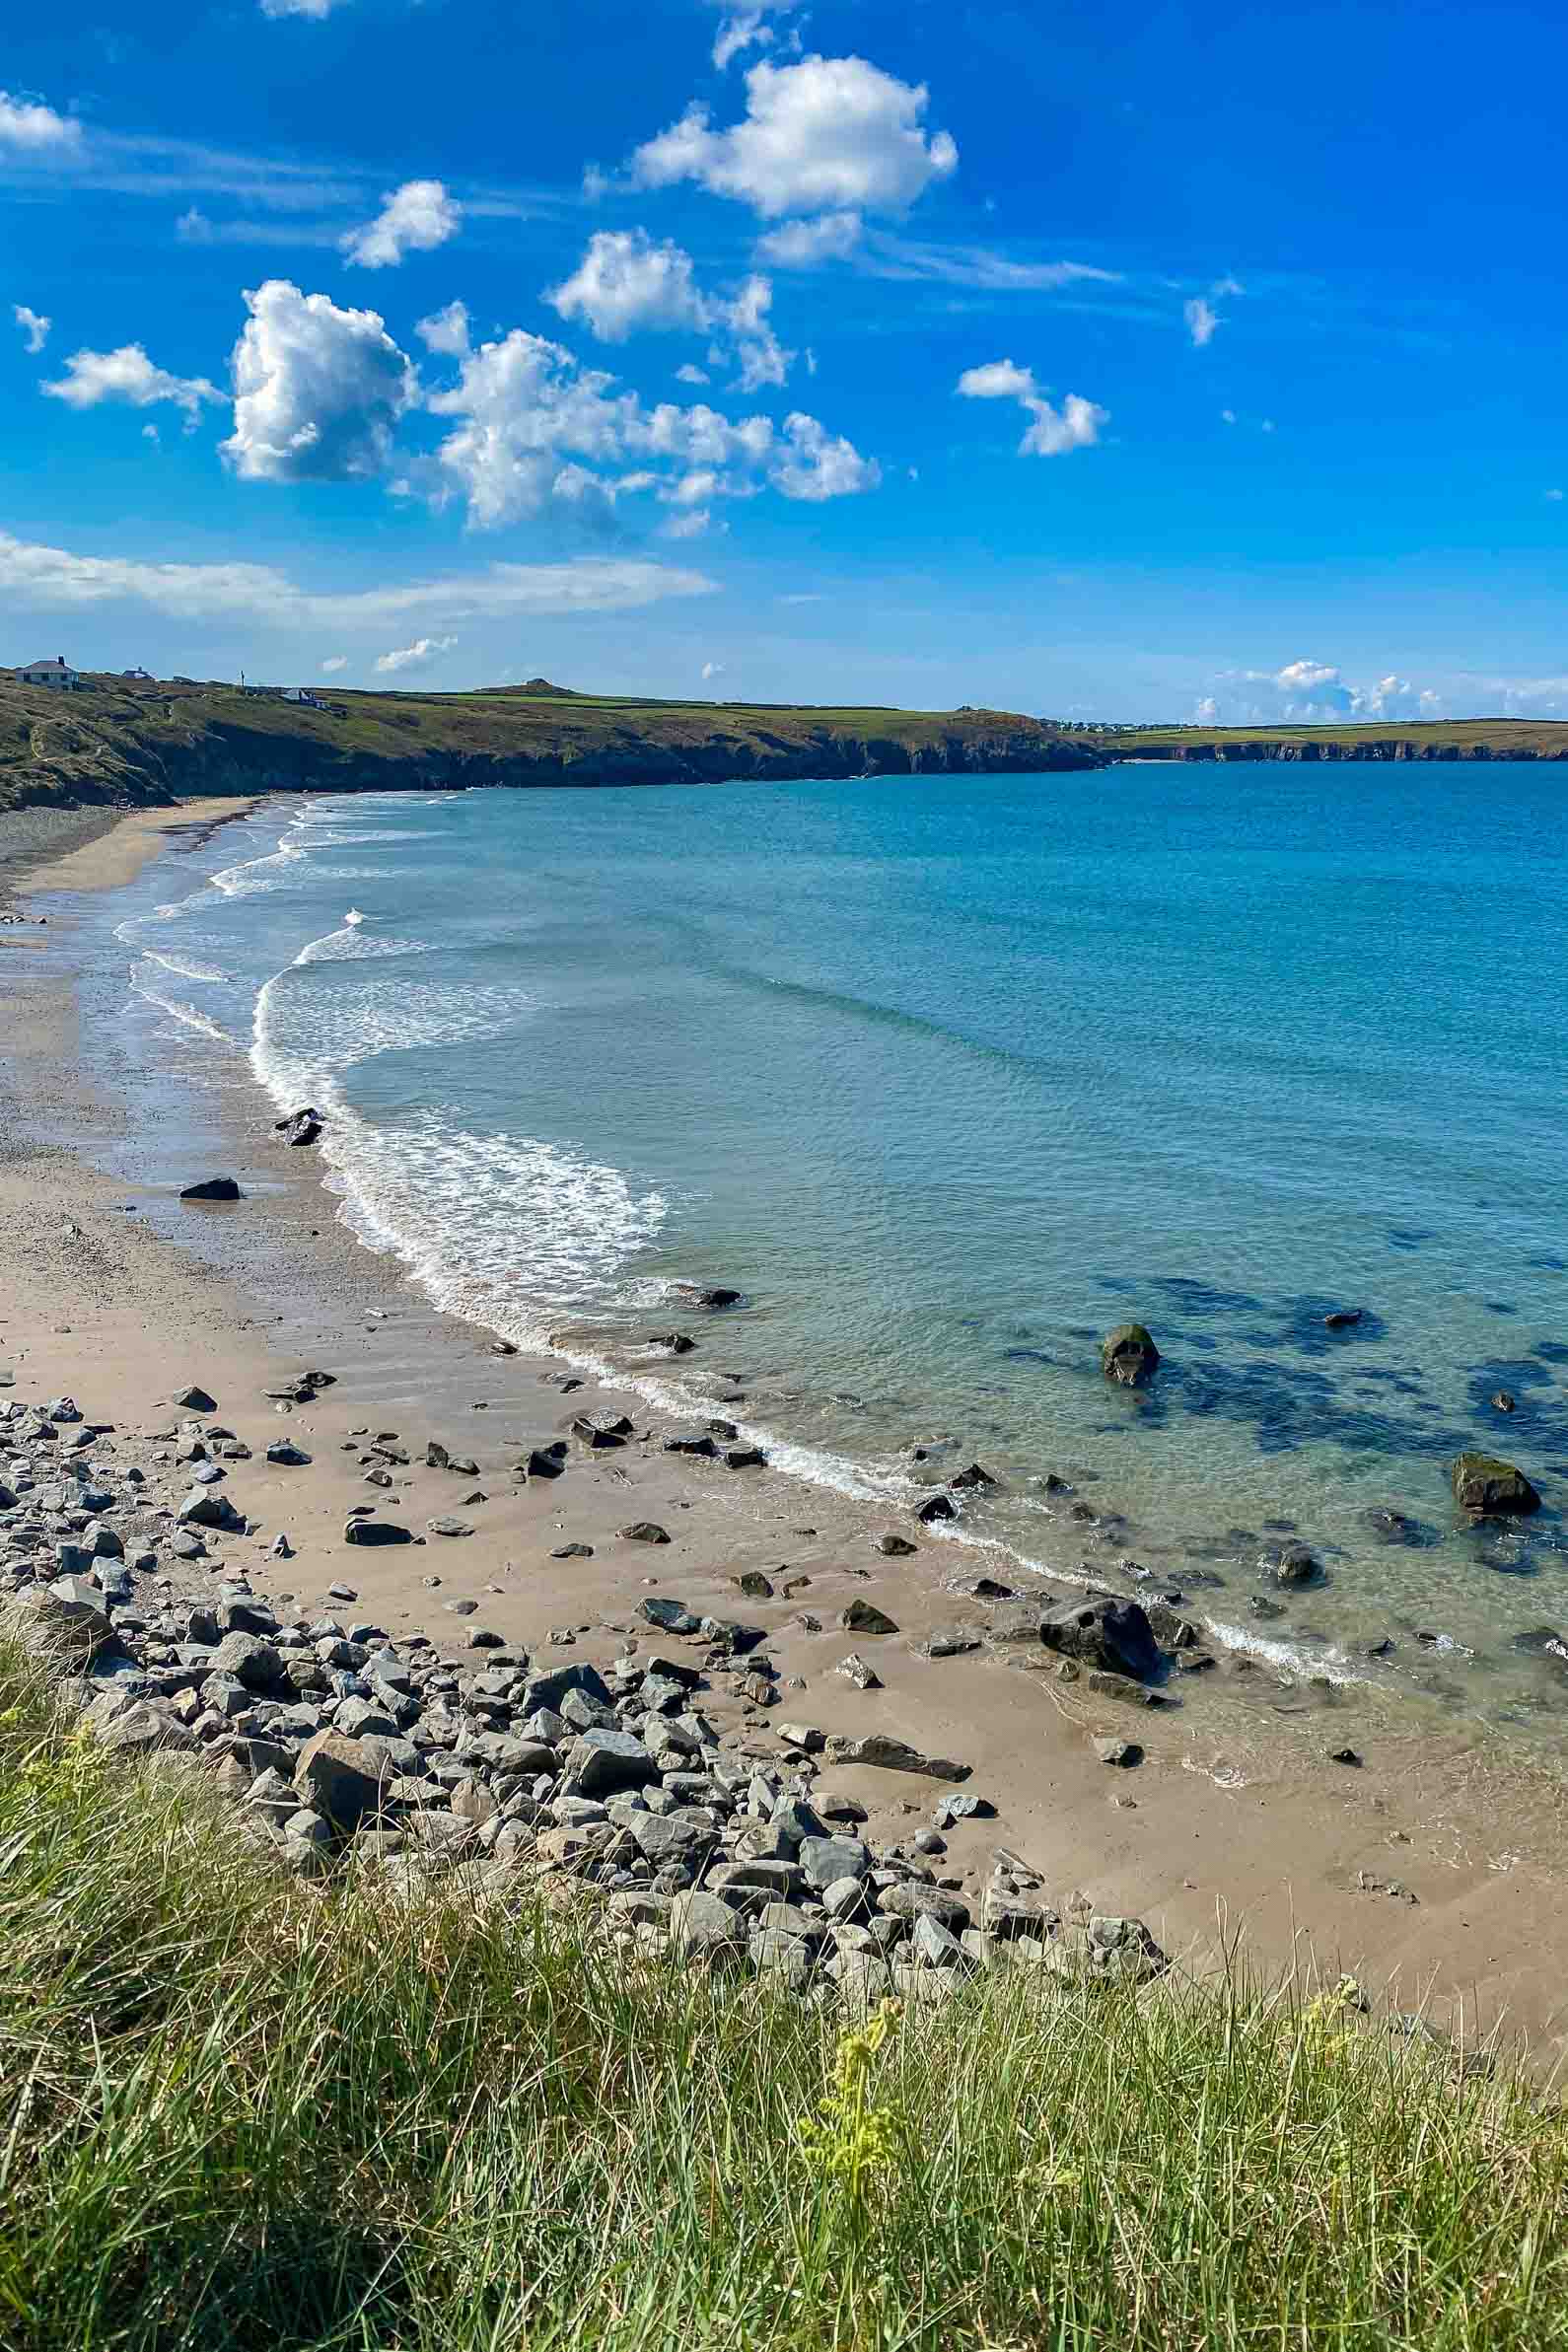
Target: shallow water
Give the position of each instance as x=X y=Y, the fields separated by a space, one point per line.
x=947 y=1075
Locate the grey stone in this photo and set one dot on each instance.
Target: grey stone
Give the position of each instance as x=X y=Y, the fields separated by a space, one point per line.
x=340 y=1778
x=916 y=1900
x=602 y=1761
x=893 y=1756
x=824 y=1859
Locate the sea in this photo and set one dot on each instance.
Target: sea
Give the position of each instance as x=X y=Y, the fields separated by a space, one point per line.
x=947 y=1075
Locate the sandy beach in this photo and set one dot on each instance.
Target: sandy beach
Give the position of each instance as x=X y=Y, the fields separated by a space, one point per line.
x=1433 y=1870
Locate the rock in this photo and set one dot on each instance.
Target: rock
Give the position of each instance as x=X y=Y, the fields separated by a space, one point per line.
x=744 y=1458
x=972 y=1479
x=340 y=1778
x=936 y=1946
x=1343 y=1319
x=756 y=1586
x=446 y=1524
x=1128 y=1356
x=1114 y=1635
x=599 y=1762
x=1343 y=1755
x=706 y=1929
x=826 y=1859
x=692 y=1294
x=773 y=1953
x=251 y=1660
x=896 y=1548
x=643 y=1531
x=1504 y=1401
x=952 y=1809
x=863 y=1616
x=546 y=1461
x=1492 y=1488
x=72 y=1617
x=304 y=1127
x=916 y=1900
x=936 y=1507
x=1125 y=1753
x=676 y=1342
x=855 y=1670
x=670 y=1617
x=893 y=1756
x=140 y=1730
x=376 y=1530
x=288 y=1456
x=573 y=1551
x=195 y=1400
x=204 y=1509
x=702 y=1444
x=213 y=1188
x=435 y=1456
x=1296 y=1565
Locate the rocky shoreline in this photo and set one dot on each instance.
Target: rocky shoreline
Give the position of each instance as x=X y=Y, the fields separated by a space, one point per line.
x=665 y=1781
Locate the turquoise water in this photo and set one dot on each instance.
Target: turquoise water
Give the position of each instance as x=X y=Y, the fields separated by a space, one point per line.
x=947 y=1076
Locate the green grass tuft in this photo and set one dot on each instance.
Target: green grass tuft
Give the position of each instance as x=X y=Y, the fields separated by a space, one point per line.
x=238 y=2112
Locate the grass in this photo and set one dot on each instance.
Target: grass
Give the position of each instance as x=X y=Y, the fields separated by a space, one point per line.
x=127 y=742
x=242 y=2112
x=1428 y=739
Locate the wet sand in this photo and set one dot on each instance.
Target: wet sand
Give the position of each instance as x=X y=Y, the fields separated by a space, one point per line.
x=1236 y=1821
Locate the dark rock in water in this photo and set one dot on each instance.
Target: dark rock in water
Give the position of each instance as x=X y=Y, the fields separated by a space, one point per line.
x=692 y=1294
x=1504 y=1401
x=744 y=1458
x=595 y=1435
x=1343 y=1319
x=643 y=1531
x=376 y=1530
x=1296 y=1564
x=213 y=1188
x=303 y=1127
x=724 y=1429
x=972 y=1479
x=502 y=1347
x=676 y=1341
x=1125 y=1752
x=896 y=1548
x=1394 y=1527
x=936 y=1507
x=893 y=1756
x=1128 y=1356
x=703 y=1445
x=1054 y=1484
x=1114 y=1635
x=1492 y=1488
x=863 y=1616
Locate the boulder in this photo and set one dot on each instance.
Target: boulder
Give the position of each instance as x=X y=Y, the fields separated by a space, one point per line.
x=864 y=1616
x=643 y=1531
x=376 y=1530
x=893 y=1756
x=1492 y=1488
x=1114 y=1635
x=1128 y=1356
x=72 y=1617
x=340 y=1778
x=706 y=1929
x=213 y=1188
x=936 y=1507
x=602 y=1761
x=195 y=1400
x=896 y=1548
x=1295 y=1564
x=972 y=1479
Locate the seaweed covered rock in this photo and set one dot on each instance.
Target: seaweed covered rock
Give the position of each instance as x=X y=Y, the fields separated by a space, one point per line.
x=1492 y=1488
x=1128 y=1356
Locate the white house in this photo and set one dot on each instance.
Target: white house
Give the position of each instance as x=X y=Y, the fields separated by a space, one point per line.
x=305 y=695
x=55 y=672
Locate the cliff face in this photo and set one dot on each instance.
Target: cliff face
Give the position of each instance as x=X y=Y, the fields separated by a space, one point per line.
x=1496 y=739
x=107 y=747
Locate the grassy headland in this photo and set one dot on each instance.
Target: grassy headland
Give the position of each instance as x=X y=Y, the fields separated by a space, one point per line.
x=137 y=744
x=1379 y=738
x=244 y=2112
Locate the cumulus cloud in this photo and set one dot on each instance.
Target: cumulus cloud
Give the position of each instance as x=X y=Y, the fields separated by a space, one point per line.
x=529 y=425
x=695 y=375
x=418 y=656
x=53 y=580
x=318 y=389
x=29 y=127
x=626 y=284
x=712 y=668
x=34 y=327
x=806 y=244
x=828 y=134
x=446 y=331
x=334 y=664
x=414 y=219
x=1201 y=320
x=1052 y=432
x=92 y=377
x=300 y=8
x=1308 y=691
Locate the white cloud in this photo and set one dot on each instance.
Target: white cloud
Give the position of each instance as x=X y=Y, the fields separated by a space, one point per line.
x=29 y=127
x=446 y=331
x=804 y=244
x=1308 y=691
x=418 y=656
x=712 y=668
x=413 y=219
x=745 y=29
x=1554 y=495
x=626 y=284
x=34 y=326
x=1054 y=432
x=1201 y=320
x=335 y=663
x=318 y=389
x=151 y=433
x=692 y=375
x=50 y=579
x=1226 y=417
x=692 y=525
x=828 y=134
x=92 y=377
x=908 y=260
x=815 y=464
x=300 y=8
x=998 y=380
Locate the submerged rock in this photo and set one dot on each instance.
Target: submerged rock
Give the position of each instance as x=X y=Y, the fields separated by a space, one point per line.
x=1492 y=1488
x=1128 y=1356
x=1114 y=1635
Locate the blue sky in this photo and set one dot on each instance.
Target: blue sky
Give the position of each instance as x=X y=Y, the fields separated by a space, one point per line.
x=1153 y=362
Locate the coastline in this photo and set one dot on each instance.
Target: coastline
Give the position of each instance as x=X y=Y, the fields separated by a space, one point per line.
x=1236 y=1818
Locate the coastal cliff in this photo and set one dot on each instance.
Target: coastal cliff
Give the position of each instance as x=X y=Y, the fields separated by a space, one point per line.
x=1438 y=739
x=130 y=744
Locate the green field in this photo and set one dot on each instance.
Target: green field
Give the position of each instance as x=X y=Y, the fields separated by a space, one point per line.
x=128 y=743
x=1426 y=738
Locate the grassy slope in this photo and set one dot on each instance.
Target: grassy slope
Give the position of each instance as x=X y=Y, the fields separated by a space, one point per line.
x=1452 y=739
x=238 y=2112
x=122 y=742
